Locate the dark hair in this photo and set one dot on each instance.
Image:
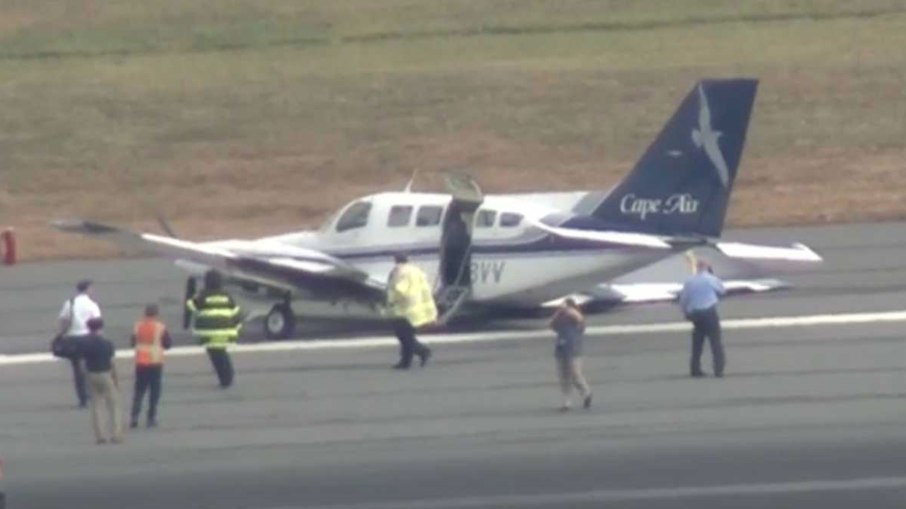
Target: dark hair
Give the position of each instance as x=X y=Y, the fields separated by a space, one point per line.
x=213 y=280
x=83 y=285
x=400 y=257
x=152 y=310
x=95 y=324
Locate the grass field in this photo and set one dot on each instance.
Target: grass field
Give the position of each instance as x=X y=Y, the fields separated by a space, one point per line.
x=243 y=118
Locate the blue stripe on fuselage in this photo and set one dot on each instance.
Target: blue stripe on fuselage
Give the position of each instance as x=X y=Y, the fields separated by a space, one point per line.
x=544 y=245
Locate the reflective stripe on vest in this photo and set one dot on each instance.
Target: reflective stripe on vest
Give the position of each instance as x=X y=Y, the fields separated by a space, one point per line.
x=149 y=348
x=216 y=342
x=216 y=316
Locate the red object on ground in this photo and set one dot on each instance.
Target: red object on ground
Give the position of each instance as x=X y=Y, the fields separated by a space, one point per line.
x=9 y=246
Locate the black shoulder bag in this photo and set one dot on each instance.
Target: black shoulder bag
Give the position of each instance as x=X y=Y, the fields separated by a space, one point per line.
x=61 y=345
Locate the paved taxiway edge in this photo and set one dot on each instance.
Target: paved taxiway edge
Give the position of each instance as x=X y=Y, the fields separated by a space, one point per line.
x=603 y=330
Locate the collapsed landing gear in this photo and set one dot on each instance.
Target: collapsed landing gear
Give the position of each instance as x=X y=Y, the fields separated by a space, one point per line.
x=280 y=322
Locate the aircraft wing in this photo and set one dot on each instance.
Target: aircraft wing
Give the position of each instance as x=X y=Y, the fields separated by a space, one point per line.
x=265 y=262
x=636 y=293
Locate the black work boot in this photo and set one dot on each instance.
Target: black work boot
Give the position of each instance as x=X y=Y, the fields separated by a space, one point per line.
x=424 y=355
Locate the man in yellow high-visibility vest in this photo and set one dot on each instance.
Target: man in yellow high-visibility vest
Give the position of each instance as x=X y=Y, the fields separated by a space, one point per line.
x=216 y=324
x=411 y=303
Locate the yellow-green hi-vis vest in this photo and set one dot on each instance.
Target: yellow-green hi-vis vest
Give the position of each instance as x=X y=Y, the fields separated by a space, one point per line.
x=409 y=295
x=216 y=321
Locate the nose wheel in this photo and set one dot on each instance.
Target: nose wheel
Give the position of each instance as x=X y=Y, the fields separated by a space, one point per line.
x=280 y=322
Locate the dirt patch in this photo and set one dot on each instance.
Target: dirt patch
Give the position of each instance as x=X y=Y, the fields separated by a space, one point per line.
x=14 y=20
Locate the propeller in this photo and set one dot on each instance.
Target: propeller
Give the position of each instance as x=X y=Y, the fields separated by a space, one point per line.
x=411 y=181
x=186 y=312
x=168 y=229
x=146 y=196
x=165 y=225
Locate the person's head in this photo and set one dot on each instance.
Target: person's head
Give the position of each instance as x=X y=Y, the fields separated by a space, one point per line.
x=95 y=324
x=571 y=303
x=400 y=258
x=702 y=266
x=213 y=280
x=83 y=286
x=152 y=310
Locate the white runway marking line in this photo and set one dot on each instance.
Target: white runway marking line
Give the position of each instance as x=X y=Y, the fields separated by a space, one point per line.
x=477 y=337
x=629 y=495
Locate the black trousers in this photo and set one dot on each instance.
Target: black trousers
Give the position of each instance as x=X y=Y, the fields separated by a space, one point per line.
x=409 y=344
x=78 y=381
x=146 y=377
x=220 y=360
x=706 y=324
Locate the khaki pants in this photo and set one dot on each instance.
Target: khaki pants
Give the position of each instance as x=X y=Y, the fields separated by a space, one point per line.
x=102 y=391
x=569 y=371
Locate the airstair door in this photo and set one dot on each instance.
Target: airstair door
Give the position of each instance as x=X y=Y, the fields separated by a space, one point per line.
x=455 y=278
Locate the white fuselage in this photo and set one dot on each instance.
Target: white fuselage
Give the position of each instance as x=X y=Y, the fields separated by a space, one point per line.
x=512 y=261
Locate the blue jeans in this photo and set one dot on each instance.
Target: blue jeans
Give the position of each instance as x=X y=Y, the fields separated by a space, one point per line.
x=706 y=324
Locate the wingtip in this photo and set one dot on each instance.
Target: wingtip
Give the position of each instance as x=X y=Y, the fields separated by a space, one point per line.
x=77 y=225
x=67 y=224
x=809 y=252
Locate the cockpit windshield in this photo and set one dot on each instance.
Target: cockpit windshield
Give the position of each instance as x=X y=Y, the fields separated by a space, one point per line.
x=356 y=216
x=327 y=225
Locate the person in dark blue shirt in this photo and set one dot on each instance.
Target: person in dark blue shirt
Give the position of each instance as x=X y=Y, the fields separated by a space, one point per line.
x=97 y=355
x=698 y=299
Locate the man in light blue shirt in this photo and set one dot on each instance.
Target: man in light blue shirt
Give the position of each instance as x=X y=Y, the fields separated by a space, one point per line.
x=698 y=300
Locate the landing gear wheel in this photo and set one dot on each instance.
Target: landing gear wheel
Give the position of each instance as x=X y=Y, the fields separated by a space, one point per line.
x=280 y=322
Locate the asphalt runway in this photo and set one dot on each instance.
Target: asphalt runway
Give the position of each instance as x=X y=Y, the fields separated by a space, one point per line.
x=864 y=271
x=808 y=416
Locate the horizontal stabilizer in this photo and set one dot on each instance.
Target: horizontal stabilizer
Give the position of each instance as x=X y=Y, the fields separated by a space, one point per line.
x=660 y=292
x=605 y=237
x=796 y=253
x=670 y=291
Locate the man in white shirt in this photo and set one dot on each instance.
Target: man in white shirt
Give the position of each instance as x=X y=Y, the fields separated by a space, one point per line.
x=74 y=327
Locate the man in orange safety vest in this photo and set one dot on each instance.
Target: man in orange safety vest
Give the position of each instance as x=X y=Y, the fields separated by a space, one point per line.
x=149 y=338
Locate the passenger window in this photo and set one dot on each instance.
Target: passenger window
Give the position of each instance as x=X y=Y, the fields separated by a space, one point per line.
x=485 y=218
x=356 y=216
x=510 y=220
x=399 y=216
x=429 y=215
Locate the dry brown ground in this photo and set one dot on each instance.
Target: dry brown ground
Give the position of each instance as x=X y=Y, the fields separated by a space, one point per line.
x=254 y=195
x=243 y=119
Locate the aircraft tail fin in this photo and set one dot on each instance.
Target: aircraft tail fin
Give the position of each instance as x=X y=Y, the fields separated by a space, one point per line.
x=682 y=183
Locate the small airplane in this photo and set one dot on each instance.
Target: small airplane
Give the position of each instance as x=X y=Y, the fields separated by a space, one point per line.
x=527 y=250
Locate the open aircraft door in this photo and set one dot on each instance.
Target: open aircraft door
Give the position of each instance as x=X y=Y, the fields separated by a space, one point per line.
x=455 y=275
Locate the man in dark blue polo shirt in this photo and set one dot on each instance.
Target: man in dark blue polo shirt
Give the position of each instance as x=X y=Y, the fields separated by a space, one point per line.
x=103 y=386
